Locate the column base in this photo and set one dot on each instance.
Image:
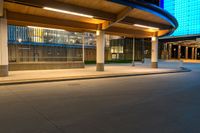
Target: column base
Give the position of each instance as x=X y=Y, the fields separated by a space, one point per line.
x=154 y=64
x=100 y=66
x=3 y=70
x=133 y=63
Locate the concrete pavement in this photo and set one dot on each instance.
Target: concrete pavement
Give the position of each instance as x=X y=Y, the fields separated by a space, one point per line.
x=167 y=103
x=111 y=70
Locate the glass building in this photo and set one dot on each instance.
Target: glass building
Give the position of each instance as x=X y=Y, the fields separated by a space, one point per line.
x=36 y=44
x=184 y=43
x=29 y=47
x=187 y=12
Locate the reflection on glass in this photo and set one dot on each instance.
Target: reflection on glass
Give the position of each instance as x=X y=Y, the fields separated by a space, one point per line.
x=36 y=44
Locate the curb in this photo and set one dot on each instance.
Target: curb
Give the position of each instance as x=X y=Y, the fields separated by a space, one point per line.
x=29 y=81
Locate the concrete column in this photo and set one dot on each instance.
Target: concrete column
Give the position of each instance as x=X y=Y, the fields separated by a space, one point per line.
x=3 y=48
x=133 y=61
x=170 y=51
x=154 y=52
x=193 y=53
x=1 y=8
x=186 y=52
x=100 y=48
x=179 y=52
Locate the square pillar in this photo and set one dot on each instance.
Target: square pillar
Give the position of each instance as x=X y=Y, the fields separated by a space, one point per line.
x=193 y=53
x=3 y=48
x=1 y=8
x=179 y=52
x=154 y=52
x=170 y=51
x=100 y=48
x=186 y=52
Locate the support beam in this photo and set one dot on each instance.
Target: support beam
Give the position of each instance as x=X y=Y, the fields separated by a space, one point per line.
x=120 y=17
x=154 y=52
x=3 y=48
x=100 y=48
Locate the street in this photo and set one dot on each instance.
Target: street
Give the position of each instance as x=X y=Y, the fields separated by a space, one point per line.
x=166 y=103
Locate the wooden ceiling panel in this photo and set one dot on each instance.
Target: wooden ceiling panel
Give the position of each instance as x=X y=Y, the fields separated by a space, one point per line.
x=139 y=14
x=132 y=27
x=102 y=5
x=41 y=12
x=102 y=10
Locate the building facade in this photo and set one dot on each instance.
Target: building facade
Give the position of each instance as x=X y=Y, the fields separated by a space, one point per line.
x=36 y=46
x=58 y=34
x=184 y=43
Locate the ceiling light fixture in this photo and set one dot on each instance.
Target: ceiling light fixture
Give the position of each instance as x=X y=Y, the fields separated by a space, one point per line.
x=68 y=12
x=35 y=27
x=144 y=26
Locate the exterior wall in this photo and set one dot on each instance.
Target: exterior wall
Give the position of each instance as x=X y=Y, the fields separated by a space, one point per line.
x=23 y=57
x=45 y=65
x=183 y=42
x=37 y=48
x=32 y=53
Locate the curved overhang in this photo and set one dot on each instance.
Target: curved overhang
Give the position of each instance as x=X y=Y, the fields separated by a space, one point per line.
x=148 y=7
x=118 y=17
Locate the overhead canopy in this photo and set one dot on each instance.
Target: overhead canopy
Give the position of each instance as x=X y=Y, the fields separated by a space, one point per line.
x=119 y=17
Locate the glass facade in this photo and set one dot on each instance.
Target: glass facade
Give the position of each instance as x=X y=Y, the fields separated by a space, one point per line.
x=36 y=44
x=122 y=49
x=46 y=36
x=187 y=14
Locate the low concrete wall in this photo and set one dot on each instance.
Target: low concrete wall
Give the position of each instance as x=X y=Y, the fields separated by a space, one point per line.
x=45 y=65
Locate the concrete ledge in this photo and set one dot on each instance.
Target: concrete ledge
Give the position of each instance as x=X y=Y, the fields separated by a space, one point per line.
x=100 y=67
x=45 y=65
x=86 y=77
x=154 y=64
x=3 y=70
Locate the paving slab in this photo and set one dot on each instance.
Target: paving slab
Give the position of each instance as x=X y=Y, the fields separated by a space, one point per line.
x=89 y=72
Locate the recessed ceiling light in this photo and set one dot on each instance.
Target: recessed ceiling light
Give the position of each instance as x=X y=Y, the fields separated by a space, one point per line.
x=67 y=12
x=45 y=28
x=144 y=26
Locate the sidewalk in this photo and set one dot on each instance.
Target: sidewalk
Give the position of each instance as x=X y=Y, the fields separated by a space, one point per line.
x=111 y=70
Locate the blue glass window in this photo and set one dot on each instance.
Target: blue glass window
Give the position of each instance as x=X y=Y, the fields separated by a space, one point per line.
x=187 y=12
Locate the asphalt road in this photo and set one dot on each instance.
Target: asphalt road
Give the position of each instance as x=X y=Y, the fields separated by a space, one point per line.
x=168 y=103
